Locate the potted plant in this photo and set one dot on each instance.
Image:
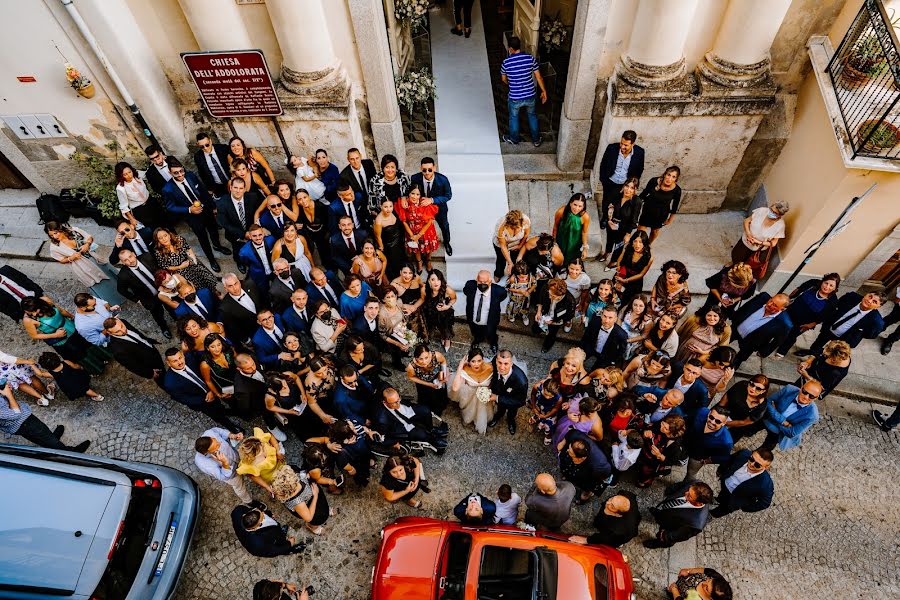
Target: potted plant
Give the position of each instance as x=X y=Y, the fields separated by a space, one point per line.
x=98 y=189
x=79 y=82
x=882 y=135
x=864 y=61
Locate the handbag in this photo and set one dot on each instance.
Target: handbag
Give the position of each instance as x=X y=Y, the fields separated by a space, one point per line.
x=759 y=262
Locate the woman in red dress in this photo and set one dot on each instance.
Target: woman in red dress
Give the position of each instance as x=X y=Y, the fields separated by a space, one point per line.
x=418 y=221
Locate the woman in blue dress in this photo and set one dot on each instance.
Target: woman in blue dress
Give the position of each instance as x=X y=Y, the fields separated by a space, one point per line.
x=353 y=300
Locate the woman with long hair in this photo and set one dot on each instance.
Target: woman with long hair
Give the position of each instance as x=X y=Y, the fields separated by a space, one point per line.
x=411 y=296
x=318 y=387
x=648 y=370
x=810 y=302
x=636 y=320
x=428 y=370
x=438 y=308
x=600 y=297
x=217 y=366
x=390 y=238
x=393 y=323
x=702 y=332
x=328 y=174
x=544 y=259
x=623 y=216
x=55 y=326
x=364 y=357
x=253 y=182
x=312 y=225
x=632 y=266
x=402 y=478
x=473 y=372
x=419 y=223
x=662 y=449
x=510 y=240
x=371 y=266
x=193 y=331
x=293 y=248
x=135 y=203
x=570 y=228
x=661 y=198
x=717 y=369
x=75 y=247
x=174 y=254
x=662 y=336
x=256 y=162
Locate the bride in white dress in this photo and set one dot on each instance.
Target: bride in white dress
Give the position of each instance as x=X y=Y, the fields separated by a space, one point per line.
x=473 y=373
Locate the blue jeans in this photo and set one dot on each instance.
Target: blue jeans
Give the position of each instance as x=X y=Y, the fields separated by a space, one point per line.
x=529 y=105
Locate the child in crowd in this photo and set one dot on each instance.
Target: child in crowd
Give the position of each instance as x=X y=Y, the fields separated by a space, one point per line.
x=625 y=452
x=507 y=505
x=600 y=297
x=545 y=404
x=71 y=377
x=578 y=283
x=520 y=285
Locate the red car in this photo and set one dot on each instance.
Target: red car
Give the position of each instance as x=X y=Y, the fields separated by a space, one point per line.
x=429 y=559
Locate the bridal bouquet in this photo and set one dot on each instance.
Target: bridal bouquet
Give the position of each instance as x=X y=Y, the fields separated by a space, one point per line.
x=405 y=335
x=483 y=394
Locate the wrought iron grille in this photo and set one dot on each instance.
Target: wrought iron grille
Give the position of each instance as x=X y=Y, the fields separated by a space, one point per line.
x=865 y=74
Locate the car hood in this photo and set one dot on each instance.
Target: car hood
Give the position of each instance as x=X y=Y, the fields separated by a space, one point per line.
x=407 y=562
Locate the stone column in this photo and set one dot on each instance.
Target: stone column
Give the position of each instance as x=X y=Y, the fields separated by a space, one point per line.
x=378 y=74
x=310 y=71
x=578 y=105
x=740 y=55
x=655 y=55
x=217 y=24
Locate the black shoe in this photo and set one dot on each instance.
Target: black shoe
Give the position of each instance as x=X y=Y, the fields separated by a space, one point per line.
x=298 y=548
x=493 y=422
x=455 y=31
x=886 y=348
x=448 y=249
x=545 y=350
x=468 y=32
x=654 y=543
x=801 y=352
x=58 y=432
x=442 y=429
x=511 y=427
x=879 y=420
x=215 y=266
x=538 y=142
x=81 y=447
x=717 y=513
x=242 y=268
x=167 y=334
x=602 y=224
x=423 y=485
x=222 y=250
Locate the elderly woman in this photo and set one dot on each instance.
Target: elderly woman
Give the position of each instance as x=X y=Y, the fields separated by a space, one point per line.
x=670 y=293
x=570 y=228
x=746 y=402
x=556 y=307
x=260 y=456
x=302 y=497
x=661 y=198
x=810 y=303
x=256 y=163
x=74 y=247
x=762 y=230
x=702 y=332
x=510 y=240
x=391 y=183
x=134 y=198
x=829 y=368
x=429 y=371
x=729 y=287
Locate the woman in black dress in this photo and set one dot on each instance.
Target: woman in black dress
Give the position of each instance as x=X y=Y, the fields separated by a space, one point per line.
x=428 y=370
x=829 y=368
x=632 y=266
x=391 y=238
x=411 y=292
x=312 y=224
x=661 y=198
x=217 y=366
x=623 y=215
x=364 y=357
x=438 y=308
x=297 y=363
x=285 y=406
x=402 y=478
x=302 y=497
x=746 y=401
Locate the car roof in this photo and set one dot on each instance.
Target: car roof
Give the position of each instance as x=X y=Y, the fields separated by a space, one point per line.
x=50 y=517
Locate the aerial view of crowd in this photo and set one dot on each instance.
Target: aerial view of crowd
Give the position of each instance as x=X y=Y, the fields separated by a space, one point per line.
x=336 y=299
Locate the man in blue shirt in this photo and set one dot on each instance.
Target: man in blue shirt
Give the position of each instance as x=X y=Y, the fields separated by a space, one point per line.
x=520 y=71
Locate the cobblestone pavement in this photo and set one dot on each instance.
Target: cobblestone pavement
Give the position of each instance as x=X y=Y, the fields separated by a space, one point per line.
x=832 y=531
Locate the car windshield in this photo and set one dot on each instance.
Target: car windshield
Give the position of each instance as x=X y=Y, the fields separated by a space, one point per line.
x=454 y=564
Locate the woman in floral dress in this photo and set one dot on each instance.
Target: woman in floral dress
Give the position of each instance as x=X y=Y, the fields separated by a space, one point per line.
x=173 y=253
x=418 y=220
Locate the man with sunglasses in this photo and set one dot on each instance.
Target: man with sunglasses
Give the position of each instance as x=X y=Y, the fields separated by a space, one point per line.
x=745 y=482
x=212 y=164
x=276 y=212
x=789 y=413
x=707 y=439
x=435 y=190
x=139 y=241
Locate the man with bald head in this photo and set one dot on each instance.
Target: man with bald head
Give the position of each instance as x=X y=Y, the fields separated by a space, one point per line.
x=616 y=524
x=549 y=504
x=658 y=403
x=759 y=325
x=285 y=281
x=483 y=299
x=239 y=306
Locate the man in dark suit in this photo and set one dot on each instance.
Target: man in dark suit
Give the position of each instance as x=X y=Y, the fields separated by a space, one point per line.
x=157 y=171
x=509 y=389
x=346 y=244
x=401 y=422
x=346 y=205
x=267 y=339
x=366 y=324
x=235 y=213
x=285 y=281
x=746 y=482
x=15 y=285
x=475 y=509
x=686 y=378
x=707 y=439
x=759 y=325
x=212 y=164
x=186 y=196
x=260 y=534
x=139 y=241
x=273 y=216
x=132 y=349
x=483 y=299
x=183 y=383
x=201 y=303
x=357 y=174
x=435 y=190
x=620 y=161
x=852 y=319
x=249 y=399
x=296 y=318
x=682 y=513
x=136 y=283
x=616 y=524
x=256 y=255
x=604 y=339
x=324 y=286
x=354 y=396
x=239 y=307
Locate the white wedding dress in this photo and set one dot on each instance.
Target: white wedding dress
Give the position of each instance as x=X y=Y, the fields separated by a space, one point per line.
x=473 y=411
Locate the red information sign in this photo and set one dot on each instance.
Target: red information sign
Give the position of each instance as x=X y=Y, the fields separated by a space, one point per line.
x=234 y=84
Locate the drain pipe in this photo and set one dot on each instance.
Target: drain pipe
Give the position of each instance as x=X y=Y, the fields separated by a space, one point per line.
x=69 y=5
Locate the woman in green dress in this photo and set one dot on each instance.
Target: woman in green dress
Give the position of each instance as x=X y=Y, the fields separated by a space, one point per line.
x=570 y=228
x=55 y=326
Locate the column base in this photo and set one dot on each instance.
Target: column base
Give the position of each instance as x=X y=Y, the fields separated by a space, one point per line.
x=328 y=87
x=651 y=76
x=573 y=143
x=733 y=75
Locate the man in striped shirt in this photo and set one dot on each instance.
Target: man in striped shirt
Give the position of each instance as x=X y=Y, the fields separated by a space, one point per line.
x=520 y=71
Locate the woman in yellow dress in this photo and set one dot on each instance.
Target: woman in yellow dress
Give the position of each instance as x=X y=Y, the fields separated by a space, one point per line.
x=260 y=456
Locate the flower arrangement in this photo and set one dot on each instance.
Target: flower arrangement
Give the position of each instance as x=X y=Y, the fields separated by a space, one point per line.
x=553 y=33
x=405 y=335
x=483 y=394
x=415 y=88
x=411 y=12
x=76 y=79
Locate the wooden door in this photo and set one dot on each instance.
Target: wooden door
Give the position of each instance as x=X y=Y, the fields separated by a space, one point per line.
x=10 y=176
x=527 y=24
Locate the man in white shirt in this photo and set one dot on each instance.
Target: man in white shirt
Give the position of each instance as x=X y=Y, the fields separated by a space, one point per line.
x=402 y=423
x=90 y=312
x=852 y=320
x=212 y=164
x=745 y=482
x=759 y=325
x=239 y=308
x=216 y=456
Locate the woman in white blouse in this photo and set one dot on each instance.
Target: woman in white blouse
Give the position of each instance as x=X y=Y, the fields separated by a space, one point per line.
x=134 y=197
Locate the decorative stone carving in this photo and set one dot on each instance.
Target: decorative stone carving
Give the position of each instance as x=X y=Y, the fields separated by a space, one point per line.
x=733 y=75
x=326 y=87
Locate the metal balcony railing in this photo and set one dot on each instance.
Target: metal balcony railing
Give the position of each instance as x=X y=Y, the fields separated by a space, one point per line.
x=865 y=73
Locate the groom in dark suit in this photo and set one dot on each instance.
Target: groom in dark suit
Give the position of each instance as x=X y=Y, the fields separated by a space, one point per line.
x=509 y=388
x=483 y=300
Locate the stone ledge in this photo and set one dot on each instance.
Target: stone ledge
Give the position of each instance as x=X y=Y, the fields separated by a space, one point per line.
x=541 y=167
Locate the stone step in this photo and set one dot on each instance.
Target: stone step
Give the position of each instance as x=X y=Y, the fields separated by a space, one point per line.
x=537 y=167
